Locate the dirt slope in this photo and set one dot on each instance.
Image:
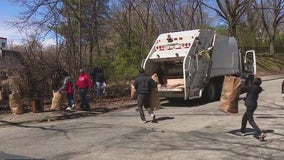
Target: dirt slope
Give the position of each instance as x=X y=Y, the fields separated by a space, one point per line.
x=270 y=65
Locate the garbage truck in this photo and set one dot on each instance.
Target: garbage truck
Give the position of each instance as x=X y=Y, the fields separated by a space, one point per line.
x=192 y=64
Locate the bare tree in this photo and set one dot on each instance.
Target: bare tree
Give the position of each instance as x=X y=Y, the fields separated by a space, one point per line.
x=93 y=26
x=230 y=12
x=248 y=28
x=133 y=22
x=272 y=15
x=142 y=21
x=174 y=15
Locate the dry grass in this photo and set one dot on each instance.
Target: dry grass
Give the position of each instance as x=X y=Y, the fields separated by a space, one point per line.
x=269 y=65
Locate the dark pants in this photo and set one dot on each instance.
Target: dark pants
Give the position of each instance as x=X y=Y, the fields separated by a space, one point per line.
x=70 y=99
x=84 y=102
x=248 y=116
x=143 y=100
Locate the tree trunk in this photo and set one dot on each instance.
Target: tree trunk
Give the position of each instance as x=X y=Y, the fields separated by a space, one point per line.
x=271 y=47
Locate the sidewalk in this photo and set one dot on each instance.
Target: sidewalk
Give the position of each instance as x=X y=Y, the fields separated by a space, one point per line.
x=7 y=119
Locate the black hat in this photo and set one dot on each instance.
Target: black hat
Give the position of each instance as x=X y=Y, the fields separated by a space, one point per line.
x=141 y=71
x=257 y=81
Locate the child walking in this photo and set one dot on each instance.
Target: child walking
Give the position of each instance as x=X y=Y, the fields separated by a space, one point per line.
x=68 y=88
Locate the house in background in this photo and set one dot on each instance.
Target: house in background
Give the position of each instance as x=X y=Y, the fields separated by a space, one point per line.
x=3 y=43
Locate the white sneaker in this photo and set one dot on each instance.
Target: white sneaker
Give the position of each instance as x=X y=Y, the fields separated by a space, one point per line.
x=68 y=109
x=73 y=106
x=154 y=119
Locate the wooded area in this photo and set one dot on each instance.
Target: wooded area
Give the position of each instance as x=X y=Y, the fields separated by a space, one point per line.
x=117 y=34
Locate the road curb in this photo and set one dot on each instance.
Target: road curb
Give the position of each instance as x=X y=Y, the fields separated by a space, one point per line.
x=63 y=115
x=273 y=77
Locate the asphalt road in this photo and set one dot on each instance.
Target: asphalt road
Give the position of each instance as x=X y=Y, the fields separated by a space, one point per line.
x=185 y=131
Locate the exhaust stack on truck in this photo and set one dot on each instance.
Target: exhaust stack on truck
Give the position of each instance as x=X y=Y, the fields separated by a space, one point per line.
x=192 y=64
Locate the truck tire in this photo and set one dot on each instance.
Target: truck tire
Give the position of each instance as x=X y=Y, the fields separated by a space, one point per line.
x=210 y=92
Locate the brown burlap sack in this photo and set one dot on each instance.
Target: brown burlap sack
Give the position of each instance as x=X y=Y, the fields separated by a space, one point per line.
x=154 y=99
x=133 y=92
x=57 y=101
x=155 y=77
x=1 y=95
x=230 y=94
x=15 y=103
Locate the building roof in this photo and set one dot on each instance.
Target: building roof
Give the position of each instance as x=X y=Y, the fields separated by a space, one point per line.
x=3 y=38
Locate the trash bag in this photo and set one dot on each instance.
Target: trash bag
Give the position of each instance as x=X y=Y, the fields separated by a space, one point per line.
x=133 y=94
x=57 y=101
x=154 y=98
x=230 y=94
x=1 y=95
x=15 y=103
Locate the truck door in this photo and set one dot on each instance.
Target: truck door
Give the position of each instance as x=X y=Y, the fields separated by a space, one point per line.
x=198 y=70
x=250 y=63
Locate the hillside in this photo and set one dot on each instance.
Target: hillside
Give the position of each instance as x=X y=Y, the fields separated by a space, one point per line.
x=269 y=65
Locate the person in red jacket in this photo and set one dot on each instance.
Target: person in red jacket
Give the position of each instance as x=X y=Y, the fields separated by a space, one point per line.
x=84 y=83
x=68 y=88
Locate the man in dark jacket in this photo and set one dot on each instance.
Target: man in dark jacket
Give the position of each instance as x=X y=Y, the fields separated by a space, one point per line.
x=100 y=82
x=143 y=85
x=253 y=92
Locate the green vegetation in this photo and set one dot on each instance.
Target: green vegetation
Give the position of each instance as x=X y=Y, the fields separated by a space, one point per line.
x=118 y=35
x=268 y=65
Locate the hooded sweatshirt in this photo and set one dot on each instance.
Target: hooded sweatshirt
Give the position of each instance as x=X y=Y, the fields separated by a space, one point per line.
x=84 y=81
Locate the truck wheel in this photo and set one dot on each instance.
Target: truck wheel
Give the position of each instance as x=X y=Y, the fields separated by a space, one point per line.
x=210 y=92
